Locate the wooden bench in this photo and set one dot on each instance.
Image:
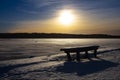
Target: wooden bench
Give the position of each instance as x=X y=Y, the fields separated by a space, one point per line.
x=77 y=50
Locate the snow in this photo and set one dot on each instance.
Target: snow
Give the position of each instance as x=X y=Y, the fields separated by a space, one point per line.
x=105 y=67
x=40 y=59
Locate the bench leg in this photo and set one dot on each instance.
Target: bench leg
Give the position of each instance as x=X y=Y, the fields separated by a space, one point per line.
x=86 y=54
x=69 y=57
x=78 y=56
x=95 y=52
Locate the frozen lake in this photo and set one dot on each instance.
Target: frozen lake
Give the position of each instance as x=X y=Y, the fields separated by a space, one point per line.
x=23 y=48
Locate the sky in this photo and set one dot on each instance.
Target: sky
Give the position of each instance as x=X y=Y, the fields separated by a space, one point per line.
x=41 y=16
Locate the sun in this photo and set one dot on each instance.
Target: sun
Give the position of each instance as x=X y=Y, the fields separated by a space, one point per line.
x=66 y=17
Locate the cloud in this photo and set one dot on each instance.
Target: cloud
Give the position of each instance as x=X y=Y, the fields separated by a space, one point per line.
x=39 y=7
x=42 y=3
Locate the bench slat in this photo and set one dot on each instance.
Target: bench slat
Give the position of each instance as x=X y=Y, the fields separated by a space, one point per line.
x=80 y=49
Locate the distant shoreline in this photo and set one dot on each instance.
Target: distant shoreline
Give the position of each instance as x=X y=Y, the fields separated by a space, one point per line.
x=55 y=35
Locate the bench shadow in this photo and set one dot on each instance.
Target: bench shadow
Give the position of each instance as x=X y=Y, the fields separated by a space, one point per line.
x=100 y=52
x=84 y=68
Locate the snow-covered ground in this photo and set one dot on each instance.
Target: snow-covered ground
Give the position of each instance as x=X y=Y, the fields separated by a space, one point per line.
x=55 y=67
x=105 y=67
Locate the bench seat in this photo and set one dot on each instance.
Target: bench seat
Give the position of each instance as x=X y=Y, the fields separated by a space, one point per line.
x=77 y=50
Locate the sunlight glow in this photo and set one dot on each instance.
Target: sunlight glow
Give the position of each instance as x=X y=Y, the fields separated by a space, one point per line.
x=66 y=17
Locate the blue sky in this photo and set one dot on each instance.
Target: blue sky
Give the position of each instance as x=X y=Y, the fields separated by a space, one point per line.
x=96 y=13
